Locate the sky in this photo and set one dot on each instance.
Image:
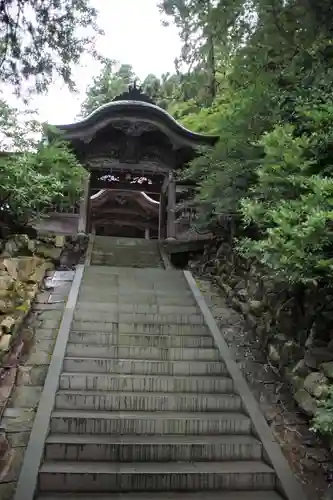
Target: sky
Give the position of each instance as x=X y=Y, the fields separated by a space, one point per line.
x=133 y=35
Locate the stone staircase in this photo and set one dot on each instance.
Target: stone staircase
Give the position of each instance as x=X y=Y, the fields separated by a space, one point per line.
x=128 y=252
x=145 y=406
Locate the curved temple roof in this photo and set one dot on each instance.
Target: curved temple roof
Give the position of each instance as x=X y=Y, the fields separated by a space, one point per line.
x=132 y=110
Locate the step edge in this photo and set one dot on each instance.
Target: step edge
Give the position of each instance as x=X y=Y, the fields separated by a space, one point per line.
x=58 y=438
x=145 y=414
x=54 y=466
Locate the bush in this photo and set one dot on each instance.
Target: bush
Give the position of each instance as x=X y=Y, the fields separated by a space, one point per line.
x=293 y=210
x=323 y=420
x=31 y=181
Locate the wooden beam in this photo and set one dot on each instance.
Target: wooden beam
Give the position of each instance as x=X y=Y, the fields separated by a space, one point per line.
x=165 y=185
x=122 y=212
x=84 y=207
x=124 y=186
x=127 y=175
x=171 y=222
x=162 y=217
x=105 y=222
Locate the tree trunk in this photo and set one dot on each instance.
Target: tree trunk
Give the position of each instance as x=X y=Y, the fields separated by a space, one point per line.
x=211 y=63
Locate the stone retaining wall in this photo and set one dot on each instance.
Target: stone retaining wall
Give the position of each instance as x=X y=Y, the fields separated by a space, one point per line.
x=27 y=340
x=23 y=265
x=294 y=324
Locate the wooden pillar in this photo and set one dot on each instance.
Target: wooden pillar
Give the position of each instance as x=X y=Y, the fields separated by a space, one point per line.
x=84 y=207
x=147 y=235
x=171 y=222
x=162 y=217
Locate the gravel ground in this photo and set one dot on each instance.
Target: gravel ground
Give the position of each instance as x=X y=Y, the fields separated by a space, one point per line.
x=308 y=457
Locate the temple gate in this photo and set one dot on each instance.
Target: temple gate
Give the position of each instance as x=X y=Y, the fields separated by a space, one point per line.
x=132 y=150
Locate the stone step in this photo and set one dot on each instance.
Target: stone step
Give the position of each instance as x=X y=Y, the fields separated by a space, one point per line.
x=114 y=327
x=136 y=248
x=124 y=257
x=144 y=367
x=148 y=276
x=105 y=308
x=170 y=329
x=148 y=423
x=134 y=274
x=133 y=295
x=124 y=261
x=133 y=317
x=161 y=291
x=142 y=476
x=151 y=448
x=90 y=326
x=172 y=353
x=199 y=495
x=111 y=381
x=107 y=261
x=130 y=273
x=127 y=252
x=122 y=240
x=120 y=250
x=102 y=399
x=129 y=244
x=132 y=298
x=141 y=340
x=149 y=281
x=127 y=256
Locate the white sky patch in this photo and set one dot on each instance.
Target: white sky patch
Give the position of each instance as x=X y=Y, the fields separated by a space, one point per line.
x=133 y=35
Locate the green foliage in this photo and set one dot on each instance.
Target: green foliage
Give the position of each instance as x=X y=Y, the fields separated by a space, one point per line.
x=30 y=181
x=293 y=209
x=32 y=176
x=273 y=110
x=175 y=92
x=323 y=420
x=211 y=31
x=107 y=85
x=18 y=129
x=228 y=171
x=41 y=39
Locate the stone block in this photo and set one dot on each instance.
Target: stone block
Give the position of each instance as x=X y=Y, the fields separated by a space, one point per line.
x=7 y=490
x=18 y=439
x=17 y=420
x=327 y=368
x=32 y=375
x=11 y=465
x=316 y=383
x=315 y=356
x=26 y=397
x=306 y=402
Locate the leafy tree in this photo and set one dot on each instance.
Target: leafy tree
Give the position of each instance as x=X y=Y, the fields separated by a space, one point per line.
x=293 y=209
x=271 y=171
x=107 y=85
x=111 y=82
x=210 y=31
x=195 y=22
x=18 y=128
x=31 y=181
x=42 y=38
x=33 y=176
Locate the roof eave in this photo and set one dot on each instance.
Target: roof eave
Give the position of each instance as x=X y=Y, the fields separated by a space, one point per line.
x=128 y=109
